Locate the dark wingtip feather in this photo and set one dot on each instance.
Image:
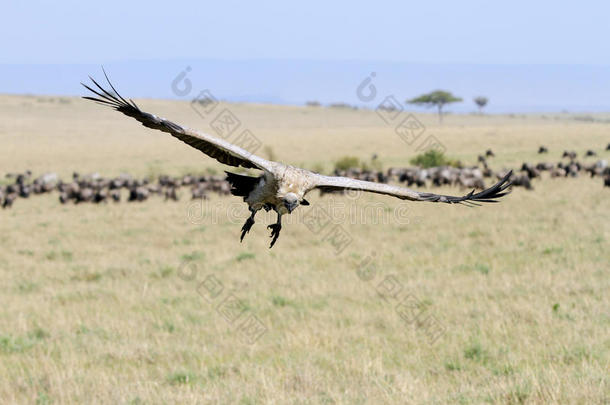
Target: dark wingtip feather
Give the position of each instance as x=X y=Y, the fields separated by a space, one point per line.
x=489 y=195
x=113 y=89
x=105 y=97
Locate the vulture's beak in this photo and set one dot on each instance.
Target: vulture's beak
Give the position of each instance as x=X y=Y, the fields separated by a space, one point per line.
x=290 y=206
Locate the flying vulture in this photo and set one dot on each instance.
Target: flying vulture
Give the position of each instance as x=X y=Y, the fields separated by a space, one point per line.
x=280 y=187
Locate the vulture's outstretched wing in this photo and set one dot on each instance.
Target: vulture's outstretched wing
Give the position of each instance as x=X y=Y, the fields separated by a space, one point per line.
x=330 y=183
x=219 y=149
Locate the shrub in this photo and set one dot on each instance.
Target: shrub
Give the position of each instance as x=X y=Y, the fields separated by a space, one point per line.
x=347 y=162
x=433 y=158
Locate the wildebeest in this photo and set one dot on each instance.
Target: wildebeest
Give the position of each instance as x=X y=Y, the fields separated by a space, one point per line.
x=590 y=153
x=187 y=180
x=63 y=197
x=522 y=181
x=199 y=192
x=598 y=168
x=8 y=200
x=573 y=169
x=101 y=196
x=542 y=149
x=138 y=194
x=85 y=194
x=67 y=191
x=154 y=189
x=558 y=172
x=545 y=166
x=171 y=194
x=531 y=171
x=24 y=190
x=571 y=155
x=115 y=194
x=45 y=183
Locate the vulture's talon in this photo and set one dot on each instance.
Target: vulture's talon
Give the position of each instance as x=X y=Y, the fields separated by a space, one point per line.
x=275 y=233
x=246 y=228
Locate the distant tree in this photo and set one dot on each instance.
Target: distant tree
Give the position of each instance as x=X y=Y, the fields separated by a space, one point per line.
x=438 y=99
x=481 y=102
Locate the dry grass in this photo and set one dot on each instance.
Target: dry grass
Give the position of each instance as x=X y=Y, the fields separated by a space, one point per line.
x=99 y=306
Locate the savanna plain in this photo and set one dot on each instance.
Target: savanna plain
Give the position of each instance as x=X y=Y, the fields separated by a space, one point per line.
x=123 y=303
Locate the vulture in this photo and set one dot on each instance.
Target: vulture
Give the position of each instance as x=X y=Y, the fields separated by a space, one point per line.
x=279 y=187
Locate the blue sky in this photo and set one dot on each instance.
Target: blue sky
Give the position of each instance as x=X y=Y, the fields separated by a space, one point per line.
x=437 y=31
x=447 y=33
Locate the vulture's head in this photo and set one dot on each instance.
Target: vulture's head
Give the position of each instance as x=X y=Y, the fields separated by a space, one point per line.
x=291 y=201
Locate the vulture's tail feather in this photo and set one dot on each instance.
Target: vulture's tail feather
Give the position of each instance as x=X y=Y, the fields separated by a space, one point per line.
x=241 y=185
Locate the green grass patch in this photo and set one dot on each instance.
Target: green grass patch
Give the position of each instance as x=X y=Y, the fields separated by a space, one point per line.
x=26 y=252
x=19 y=344
x=216 y=372
x=552 y=250
x=279 y=301
x=163 y=272
x=482 y=268
x=476 y=352
x=453 y=366
x=54 y=255
x=245 y=256
x=182 y=378
x=26 y=286
x=87 y=276
x=193 y=256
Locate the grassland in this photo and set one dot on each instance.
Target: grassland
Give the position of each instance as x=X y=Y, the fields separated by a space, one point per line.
x=105 y=304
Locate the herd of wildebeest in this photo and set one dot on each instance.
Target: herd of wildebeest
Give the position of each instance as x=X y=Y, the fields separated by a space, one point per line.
x=94 y=188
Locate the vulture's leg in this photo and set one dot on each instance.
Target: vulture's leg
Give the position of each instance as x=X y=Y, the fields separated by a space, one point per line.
x=249 y=222
x=275 y=229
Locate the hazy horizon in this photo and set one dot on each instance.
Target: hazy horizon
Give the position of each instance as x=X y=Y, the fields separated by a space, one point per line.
x=510 y=88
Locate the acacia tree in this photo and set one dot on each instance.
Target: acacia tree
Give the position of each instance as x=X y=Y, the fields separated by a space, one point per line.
x=481 y=102
x=438 y=99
